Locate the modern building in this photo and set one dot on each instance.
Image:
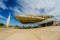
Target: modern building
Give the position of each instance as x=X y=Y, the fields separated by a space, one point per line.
x=41 y=20
x=27 y=19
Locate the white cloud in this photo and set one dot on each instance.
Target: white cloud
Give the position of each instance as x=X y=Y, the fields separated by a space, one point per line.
x=2 y=5
x=1 y=16
x=30 y=6
x=56 y=11
x=16 y=10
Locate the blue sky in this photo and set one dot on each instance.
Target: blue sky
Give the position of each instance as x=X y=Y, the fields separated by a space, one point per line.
x=50 y=7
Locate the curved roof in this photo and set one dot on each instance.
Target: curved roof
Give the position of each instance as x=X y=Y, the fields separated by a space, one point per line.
x=25 y=19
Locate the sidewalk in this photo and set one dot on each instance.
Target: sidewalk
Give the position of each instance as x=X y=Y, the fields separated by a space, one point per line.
x=46 y=33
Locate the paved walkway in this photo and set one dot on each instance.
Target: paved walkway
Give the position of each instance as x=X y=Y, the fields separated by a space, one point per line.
x=45 y=33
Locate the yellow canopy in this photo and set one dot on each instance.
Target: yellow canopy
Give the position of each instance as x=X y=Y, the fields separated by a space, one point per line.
x=25 y=19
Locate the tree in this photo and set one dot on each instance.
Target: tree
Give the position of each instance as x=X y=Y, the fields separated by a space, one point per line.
x=1 y=24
